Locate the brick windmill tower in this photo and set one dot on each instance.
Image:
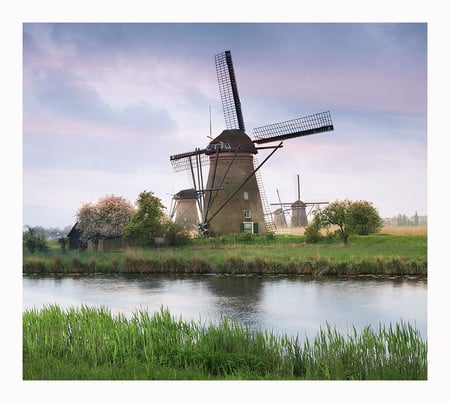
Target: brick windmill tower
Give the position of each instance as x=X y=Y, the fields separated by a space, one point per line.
x=185 y=211
x=233 y=199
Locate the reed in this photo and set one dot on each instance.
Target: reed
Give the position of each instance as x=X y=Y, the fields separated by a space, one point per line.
x=90 y=343
x=405 y=230
x=235 y=264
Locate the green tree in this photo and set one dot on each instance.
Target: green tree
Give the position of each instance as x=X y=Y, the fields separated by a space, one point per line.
x=146 y=222
x=350 y=217
x=34 y=238
x=363 y=218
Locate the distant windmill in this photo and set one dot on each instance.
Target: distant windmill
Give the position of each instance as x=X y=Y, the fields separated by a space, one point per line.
x=233 y=199
x=298 y=208
x=279 y=214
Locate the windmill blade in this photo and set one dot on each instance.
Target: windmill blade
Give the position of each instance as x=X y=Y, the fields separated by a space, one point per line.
x=307 y=125
x=229 y=92
x=190 y=160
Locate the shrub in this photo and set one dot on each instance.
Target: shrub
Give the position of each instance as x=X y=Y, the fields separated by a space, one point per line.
x=175 y=234
x=312 y=232
x=245 y=237
x=63 y=241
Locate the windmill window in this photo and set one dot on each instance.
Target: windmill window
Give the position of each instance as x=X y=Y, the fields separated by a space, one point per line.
x=245 y=195
x=247 y=214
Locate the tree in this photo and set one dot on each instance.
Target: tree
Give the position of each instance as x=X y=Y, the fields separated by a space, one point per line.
x=145 y=223
x=402 y=219
x=312 y=232
x=364 y=218
x=34 y=238
x=351 y=217
x=105 y=219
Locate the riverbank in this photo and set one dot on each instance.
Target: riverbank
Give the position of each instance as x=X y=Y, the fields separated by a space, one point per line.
x=91 y=344
x=379 y=254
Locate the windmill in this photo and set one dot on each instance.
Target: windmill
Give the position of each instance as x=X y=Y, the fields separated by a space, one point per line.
x=184 y=211
x=280 y=214
x=233 y=199
x=298 y=208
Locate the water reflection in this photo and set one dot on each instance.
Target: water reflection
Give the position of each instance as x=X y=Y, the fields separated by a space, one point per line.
x=293 y=305
x=238 y=297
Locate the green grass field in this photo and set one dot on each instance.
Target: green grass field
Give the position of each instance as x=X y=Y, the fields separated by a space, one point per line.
x=283 y=254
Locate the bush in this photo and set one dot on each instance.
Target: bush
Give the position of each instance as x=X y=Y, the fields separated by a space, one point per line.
x=63 y=242
x=312 y=232
x=245 y=237
x=175 y=234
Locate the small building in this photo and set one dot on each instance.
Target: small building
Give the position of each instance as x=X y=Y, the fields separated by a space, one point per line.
x=74 y=236
x=98 y=245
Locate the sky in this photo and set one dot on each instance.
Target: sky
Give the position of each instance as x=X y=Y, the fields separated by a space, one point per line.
x=106 y=104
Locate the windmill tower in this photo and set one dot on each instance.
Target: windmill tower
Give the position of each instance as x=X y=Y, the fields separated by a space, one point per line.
x=299 y=218
x=232 y=201
x=280 y=215
x=297 y=209
x=185 y=211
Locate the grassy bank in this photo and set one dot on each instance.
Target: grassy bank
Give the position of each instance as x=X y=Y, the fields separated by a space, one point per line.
x=380 y=254
x=90 y=343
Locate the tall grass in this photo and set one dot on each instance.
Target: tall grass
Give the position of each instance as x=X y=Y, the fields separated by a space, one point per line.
x=90 y=343
x=235 y=264
x=405 y=230
x=386 y=229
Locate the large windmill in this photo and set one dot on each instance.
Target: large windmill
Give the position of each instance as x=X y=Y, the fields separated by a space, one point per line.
x=232 y=200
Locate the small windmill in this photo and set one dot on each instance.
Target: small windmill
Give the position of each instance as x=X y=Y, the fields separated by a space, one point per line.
x=232 y=199
x=184 y=211
x=297 y=209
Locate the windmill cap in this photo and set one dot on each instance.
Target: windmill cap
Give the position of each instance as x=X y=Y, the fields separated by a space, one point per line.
x=186 y=194
x=298 y=203
x=230 y=140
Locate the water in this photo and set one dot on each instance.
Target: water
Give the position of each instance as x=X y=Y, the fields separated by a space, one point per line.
x=284 y=305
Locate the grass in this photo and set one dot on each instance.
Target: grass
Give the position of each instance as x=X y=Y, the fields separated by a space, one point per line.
x=91 y=344
x=382 y=254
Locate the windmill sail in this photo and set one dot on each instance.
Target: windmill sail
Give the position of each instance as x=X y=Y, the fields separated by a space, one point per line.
x=229 y=92
x=312 y=124
x=189 y=160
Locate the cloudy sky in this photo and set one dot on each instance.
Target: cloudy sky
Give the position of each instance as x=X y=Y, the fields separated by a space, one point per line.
x=105 y=105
